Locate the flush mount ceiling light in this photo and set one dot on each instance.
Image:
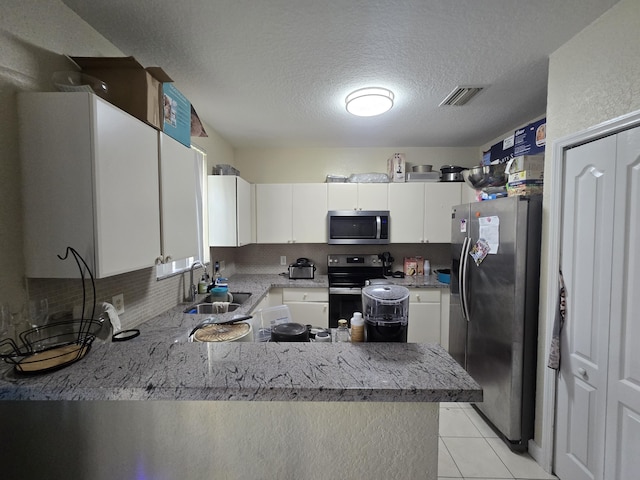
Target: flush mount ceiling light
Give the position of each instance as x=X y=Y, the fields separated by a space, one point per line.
x=370 y=101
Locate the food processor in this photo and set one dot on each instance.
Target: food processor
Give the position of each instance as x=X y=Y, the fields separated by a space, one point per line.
x=386 y=313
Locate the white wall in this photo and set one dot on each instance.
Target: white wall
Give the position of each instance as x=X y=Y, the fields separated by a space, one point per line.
x=35 y=36
x=593 y=78
x=308 y=165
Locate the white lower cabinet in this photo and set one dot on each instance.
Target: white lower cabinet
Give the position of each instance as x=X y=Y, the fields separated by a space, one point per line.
x=308 y=306
x=424 y=316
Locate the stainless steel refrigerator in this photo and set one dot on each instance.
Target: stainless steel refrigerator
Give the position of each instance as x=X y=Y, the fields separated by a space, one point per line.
x=494 y=307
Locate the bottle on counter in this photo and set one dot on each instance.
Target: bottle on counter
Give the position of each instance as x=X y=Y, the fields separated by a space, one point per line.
x=357 y=327
x=427 y=268
x=342 y=333
x=203 y=284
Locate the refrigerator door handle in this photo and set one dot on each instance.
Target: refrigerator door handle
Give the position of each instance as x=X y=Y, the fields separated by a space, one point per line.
x=464 y=268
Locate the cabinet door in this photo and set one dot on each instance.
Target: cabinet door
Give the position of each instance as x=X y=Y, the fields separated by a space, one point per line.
x=406 y=208
x=222 y=211
x=244 y=212
x=445 y=303
x=274 y=212
x=126 y=182
x=373 y=196
x=587 y=249
x=90 y=175
x=310 y=313
x=342 y=196
x=305 y=295
x=424 y=316
x=178 y=187
x=469 y=194
x=438 y=200
x=309 y=212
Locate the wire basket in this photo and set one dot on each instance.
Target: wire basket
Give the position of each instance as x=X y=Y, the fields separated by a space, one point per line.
x=55 y=345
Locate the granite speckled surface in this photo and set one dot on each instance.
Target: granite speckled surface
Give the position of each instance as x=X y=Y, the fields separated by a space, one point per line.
x=161 y=364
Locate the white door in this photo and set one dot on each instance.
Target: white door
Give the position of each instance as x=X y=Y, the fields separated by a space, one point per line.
x=178 y=187
x=243 y=213
x=587 y=246
x=127 y=223
x=342 y=196
x=406 y=208
x=622 y=439
x=222 y=210
x=439 y=198
x=373 y=196
x=309 y=213
x=274 y=212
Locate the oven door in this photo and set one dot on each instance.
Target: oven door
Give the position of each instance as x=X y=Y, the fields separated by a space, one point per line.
x=343 y=301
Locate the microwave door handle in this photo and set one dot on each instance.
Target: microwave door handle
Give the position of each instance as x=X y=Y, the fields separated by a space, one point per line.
x=378 y=226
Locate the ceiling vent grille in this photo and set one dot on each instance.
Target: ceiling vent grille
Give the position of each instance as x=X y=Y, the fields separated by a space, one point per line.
x=461 y=96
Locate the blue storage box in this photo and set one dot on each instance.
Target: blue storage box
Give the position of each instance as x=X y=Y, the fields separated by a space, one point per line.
x=176 y=114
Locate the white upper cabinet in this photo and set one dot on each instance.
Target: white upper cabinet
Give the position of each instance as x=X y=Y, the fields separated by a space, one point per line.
x=309 y=213
x=438 y=200
x=406 y=211
x=179 y=209
x=421 y=212
x=357 y=196
x=291 y=213
x=90 y=181
x=230 y=212
x=274 y=213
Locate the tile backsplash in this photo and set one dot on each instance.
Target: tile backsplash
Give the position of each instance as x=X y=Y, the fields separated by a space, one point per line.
x=266 y=258
x=146 y=297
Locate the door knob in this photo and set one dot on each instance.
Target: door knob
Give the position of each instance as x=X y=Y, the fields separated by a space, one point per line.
x=582 y=372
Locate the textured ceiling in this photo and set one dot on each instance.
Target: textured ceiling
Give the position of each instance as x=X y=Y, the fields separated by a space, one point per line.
x=276 y=72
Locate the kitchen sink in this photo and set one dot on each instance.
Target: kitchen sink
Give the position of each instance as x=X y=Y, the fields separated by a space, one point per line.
x=207 y=305
x=211 y=308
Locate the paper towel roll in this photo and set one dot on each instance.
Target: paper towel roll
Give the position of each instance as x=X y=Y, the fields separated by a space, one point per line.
x=110 y=310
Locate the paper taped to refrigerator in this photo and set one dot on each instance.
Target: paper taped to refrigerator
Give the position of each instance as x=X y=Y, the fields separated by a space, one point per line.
x=490 y=232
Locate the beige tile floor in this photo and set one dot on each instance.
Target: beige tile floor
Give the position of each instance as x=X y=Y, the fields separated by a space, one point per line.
x=470 y=449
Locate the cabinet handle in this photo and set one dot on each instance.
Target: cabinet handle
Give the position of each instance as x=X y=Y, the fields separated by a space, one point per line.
x=168 y=259
x=418 y=297
x=304 y=296
x=159 y=260
x=583 y=373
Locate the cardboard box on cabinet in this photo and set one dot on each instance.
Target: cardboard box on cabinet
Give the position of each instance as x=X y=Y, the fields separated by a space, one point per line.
x=532 y=139
x=525 y=187
x=396 y=167
x=130 y=87
x=176 y=114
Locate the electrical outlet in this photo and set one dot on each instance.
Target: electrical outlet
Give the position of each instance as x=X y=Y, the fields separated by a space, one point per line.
x=283 y=260
x=118 y=303
x=222 y=265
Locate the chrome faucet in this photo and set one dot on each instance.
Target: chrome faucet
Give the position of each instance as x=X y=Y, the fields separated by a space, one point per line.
x=193 y=290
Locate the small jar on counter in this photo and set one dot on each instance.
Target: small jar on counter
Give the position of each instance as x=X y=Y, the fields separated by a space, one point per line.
x=427 y=268
x=357 y=327
x=342 y=333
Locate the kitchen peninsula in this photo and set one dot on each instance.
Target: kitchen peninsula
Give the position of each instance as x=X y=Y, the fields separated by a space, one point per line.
x=232 y=410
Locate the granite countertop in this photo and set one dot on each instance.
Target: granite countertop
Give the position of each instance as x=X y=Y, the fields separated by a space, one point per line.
x=161 y=364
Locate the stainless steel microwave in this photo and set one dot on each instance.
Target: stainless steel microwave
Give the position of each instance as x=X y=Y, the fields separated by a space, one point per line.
x=358 y=227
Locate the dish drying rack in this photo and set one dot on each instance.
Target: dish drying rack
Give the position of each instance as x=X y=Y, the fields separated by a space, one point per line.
x=55 y=345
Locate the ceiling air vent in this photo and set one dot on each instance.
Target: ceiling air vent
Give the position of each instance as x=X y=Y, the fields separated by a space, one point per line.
x=461 y=96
